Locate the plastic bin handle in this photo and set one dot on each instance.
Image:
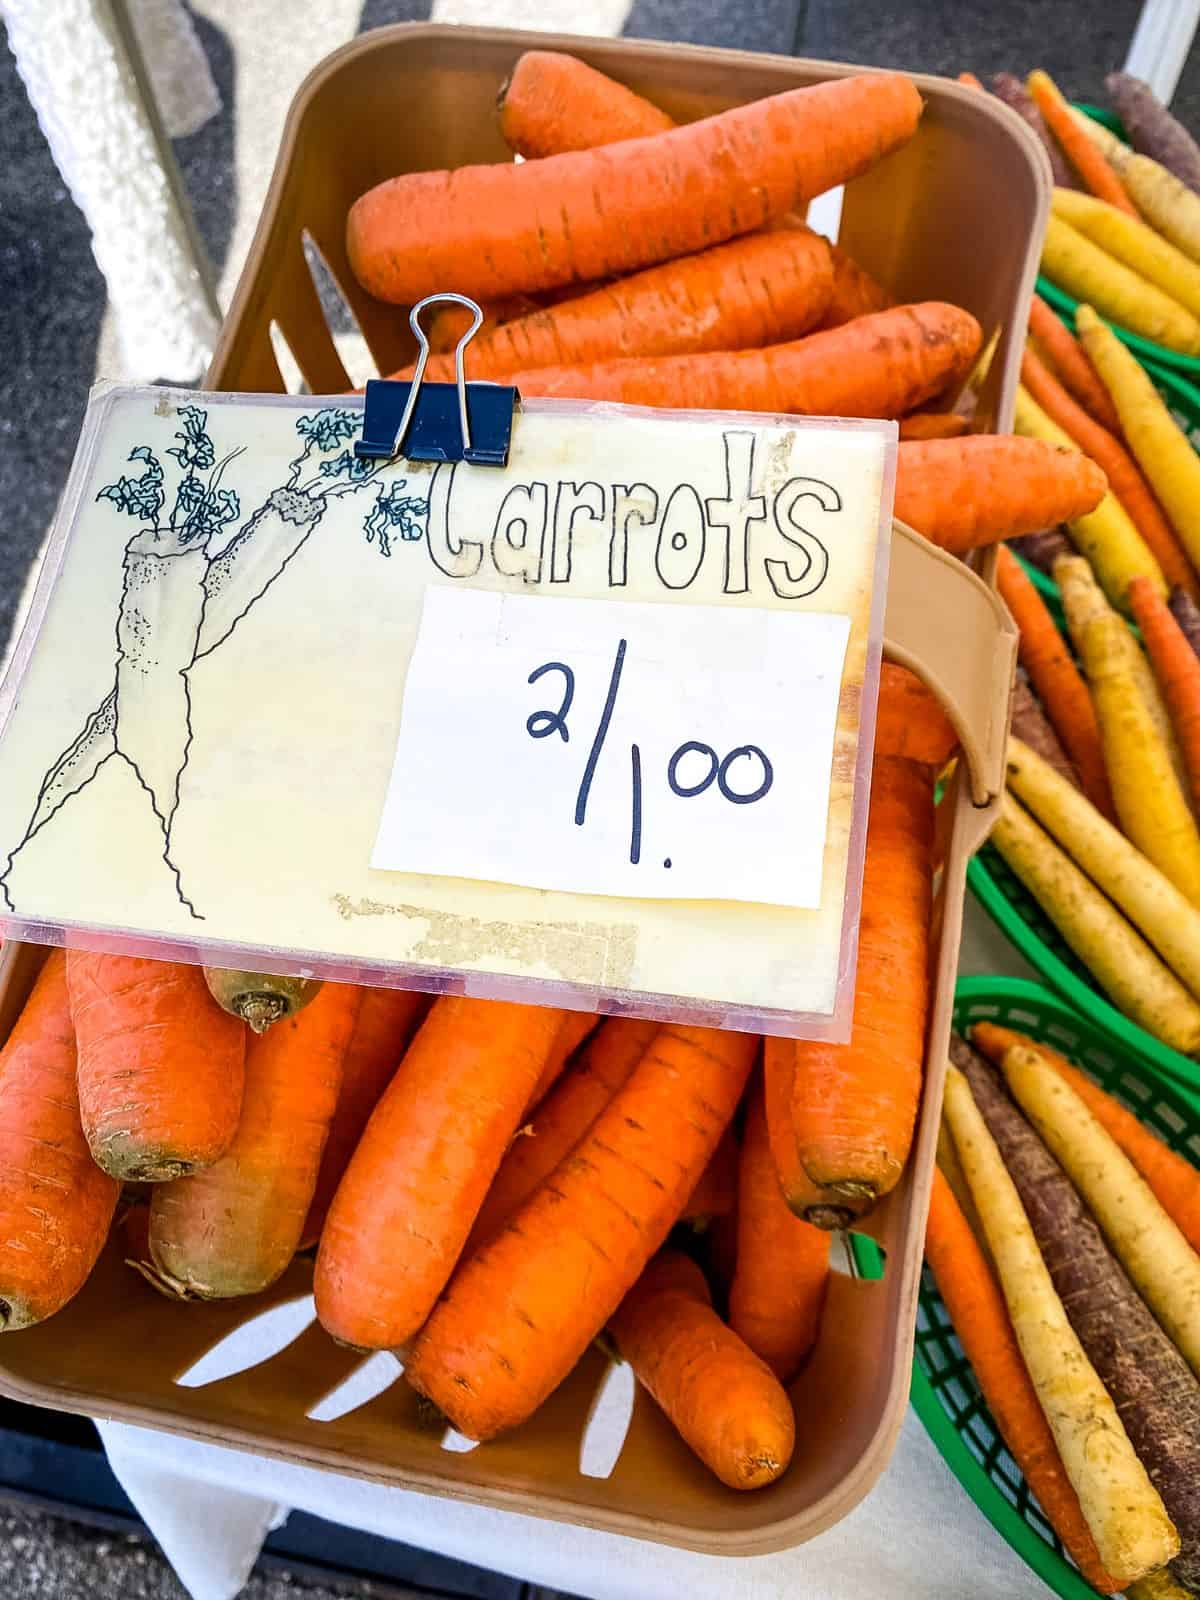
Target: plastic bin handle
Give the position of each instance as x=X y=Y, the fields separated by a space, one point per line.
x=947 y=626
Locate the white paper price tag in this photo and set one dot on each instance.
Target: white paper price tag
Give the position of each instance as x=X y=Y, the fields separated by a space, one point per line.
x=615 y=748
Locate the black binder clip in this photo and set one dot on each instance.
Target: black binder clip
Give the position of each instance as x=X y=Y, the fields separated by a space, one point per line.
x=457 y=421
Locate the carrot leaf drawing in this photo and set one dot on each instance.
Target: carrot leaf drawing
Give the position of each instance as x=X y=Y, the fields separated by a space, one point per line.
x=184 y=591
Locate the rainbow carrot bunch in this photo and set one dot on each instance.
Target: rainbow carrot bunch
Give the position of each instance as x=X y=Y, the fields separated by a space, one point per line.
x=1063 y=1235
x=1124 y=233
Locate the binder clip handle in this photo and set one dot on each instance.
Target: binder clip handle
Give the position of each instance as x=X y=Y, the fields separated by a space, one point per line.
x=426 y=434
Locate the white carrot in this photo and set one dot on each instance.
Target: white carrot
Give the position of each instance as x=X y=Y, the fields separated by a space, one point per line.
x=1147 y=896
x=1156 y=1255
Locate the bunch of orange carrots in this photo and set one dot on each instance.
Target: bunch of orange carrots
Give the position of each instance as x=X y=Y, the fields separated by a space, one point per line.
x=1101 y=820
x=627 y=258
x=488 y=1186
x=1064 y=1237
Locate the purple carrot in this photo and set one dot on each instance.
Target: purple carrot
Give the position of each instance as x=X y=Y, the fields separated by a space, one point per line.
x=1187 y=614
x=1043 y=549
x=1152 y=129
x=1012 y=91
x=1029 y=722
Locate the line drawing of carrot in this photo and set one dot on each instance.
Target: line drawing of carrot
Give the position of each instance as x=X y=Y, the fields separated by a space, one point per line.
x=190 y=577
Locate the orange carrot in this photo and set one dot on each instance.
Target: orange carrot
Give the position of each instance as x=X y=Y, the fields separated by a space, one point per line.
x=554 y=102
x=910 y=721
x=933 y=425
x=804 y=1198
x=854 y=1105
x=1177 y=670
x=161 y=1066
x=233 y=1229
x=715 y=1194
x=760 y=290
x=519 y=1313
x=725 y=1401
x=971 y=81
x=963 y=493
x=1055 y=677
x=387 y=1020
x=56 y=1205
x=855 y=292
x=591 y=214
x=1122 y=471
x=782 y=1263
x=416 y=1182
x=445 y=325
x=572 y=1031
x=875 y=366
x=566 y=1114
x=1083 y=155
x=976 y=1306
x=1172 y=1177
x=1071 y=365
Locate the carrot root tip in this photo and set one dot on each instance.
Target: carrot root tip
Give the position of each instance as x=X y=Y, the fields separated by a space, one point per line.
x=833 y=1219
x=259 y=1011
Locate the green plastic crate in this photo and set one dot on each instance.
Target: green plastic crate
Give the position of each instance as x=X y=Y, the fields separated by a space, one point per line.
x=1027 y=927
x=945 y=1394
x=1148 y=353
x=1010 y=905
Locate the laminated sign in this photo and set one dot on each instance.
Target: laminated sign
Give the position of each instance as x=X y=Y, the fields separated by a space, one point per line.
x=589 y=726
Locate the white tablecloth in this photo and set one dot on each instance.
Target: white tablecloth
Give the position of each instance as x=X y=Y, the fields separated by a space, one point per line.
x=917 y=1534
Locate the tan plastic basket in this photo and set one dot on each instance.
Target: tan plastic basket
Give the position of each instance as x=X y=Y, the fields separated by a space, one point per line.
x=956 y=216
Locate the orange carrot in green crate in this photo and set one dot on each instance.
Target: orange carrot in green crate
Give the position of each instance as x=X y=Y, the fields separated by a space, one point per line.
x=387 y=1020
x=1177 y=669
x=782 y=1264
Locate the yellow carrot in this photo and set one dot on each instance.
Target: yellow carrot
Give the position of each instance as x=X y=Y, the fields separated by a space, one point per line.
x=1106 y=536
x=1147 y=896
x=1151 y=1248
x=1082 y=599
x=1163 y=450
x=1120 y=960
x=1151 y=805
x=1089 y=273
x=1132 y=242
x=1164 y=200
x=1122 y=1508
